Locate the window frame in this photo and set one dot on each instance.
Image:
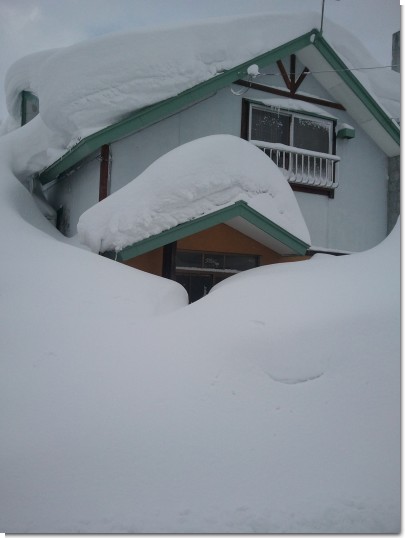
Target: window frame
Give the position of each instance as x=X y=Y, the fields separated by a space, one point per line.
x=28 y=98
x=184 y=274
x=292 y=115
x=203 y=268
x=245 y=133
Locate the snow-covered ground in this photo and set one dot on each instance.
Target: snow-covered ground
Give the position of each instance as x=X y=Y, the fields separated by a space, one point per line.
x=271 y=405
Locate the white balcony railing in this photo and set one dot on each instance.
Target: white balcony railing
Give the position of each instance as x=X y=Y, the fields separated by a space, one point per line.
x=303 y=167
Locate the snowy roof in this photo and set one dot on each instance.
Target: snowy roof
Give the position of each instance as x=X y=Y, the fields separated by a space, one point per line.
x=192 y=180
x=123 y=72
x=104 y=83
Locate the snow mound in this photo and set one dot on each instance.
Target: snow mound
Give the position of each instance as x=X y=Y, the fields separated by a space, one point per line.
x=192 y=180
x=277 y=404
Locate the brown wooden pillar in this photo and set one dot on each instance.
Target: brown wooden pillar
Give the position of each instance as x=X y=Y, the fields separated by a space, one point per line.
x=169 y=260
x=104 y=187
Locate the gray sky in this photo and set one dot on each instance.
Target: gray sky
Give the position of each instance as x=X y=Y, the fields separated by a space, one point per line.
x=31 y=25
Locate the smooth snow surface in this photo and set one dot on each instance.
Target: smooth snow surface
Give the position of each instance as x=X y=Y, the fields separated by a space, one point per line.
x=192 y=180
x=271 y=405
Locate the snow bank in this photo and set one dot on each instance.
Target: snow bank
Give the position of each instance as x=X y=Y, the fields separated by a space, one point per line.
x=54 y=265
x=271 y=405
x=192 y=180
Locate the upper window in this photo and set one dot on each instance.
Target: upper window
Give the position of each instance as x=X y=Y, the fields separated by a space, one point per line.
x=301 y=145
x=291 y=129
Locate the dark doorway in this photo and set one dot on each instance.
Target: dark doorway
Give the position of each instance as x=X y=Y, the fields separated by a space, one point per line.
x=198 y=272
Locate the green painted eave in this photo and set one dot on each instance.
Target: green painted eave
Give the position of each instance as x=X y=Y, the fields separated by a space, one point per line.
x=238 y=209
x=154 y=113
x=355 y=85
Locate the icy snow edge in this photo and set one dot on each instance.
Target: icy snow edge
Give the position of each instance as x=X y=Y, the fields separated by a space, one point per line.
x=192 y=180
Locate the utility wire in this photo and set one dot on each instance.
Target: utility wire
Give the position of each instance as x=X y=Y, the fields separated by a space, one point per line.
x=333 y=70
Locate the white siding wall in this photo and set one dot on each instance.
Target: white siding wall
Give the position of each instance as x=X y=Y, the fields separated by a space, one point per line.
x=220 y=114
x=76 y=193
x=354 y=220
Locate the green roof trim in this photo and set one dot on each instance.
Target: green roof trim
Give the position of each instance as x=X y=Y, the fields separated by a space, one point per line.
x=355 y=85
x=238 y=209
x=154 y=113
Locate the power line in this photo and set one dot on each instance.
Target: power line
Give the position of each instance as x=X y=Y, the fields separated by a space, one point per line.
x=333 y=70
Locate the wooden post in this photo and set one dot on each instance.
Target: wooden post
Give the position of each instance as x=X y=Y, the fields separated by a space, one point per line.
x=104 y=187
x=244 y=126
x=292 y=70
x=284 y=74
x=169 y=260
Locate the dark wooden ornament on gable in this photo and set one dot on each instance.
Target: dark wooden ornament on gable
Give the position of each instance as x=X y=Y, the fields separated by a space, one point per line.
x=292 y=84
x=290 y=79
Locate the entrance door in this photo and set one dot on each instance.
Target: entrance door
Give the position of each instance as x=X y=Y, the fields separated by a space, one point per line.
x=197 y=285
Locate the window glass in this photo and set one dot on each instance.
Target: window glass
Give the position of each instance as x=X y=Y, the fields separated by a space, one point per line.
x=188 y=259
x=270 y=126
x=200 y=286
x=214 y=261
x=312 y=135
x=240 y=262
x=184 y=280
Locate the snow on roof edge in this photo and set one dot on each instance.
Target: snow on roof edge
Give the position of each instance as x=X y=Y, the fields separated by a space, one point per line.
x=192 y=180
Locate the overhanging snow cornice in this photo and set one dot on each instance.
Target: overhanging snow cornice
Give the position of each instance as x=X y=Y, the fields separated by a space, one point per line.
x=283 y=241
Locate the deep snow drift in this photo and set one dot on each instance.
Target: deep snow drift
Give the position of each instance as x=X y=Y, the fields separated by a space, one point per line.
x=271 y=405
x=192 y=180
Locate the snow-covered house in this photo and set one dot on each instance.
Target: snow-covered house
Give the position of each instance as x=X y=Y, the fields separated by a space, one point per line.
x=112 y=106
